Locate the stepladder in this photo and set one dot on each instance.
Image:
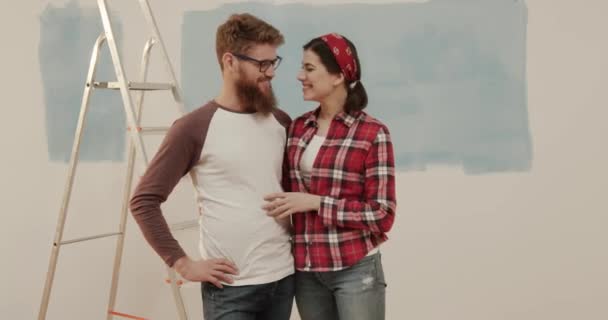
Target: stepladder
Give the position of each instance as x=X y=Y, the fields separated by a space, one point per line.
x=132 y=94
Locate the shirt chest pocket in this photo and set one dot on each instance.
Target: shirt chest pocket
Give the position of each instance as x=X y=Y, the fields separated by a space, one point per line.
x=345 y=167
x=343 y=161
x=354 y=161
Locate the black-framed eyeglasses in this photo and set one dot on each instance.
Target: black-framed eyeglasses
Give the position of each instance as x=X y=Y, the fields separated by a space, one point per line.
x=263 y=64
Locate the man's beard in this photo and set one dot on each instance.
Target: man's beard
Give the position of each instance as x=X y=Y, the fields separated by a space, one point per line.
x=253 y=98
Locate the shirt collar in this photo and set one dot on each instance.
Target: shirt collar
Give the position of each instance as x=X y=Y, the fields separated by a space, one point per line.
x=348 y=119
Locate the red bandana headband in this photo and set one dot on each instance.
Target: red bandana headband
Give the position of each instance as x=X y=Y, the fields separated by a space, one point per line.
x=343 y=54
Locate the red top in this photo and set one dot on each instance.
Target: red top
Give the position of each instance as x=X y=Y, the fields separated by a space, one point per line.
x=355 y=175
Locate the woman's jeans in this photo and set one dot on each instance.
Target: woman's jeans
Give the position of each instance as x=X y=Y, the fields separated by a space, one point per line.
x=355 y=293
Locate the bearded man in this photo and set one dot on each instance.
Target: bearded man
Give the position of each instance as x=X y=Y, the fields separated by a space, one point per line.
x=233 y=148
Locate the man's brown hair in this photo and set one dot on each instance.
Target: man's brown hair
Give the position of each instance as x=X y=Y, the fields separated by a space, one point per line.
x=241 y=32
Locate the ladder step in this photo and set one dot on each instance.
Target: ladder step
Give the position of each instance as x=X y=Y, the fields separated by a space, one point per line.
x=141 y=86
x=185 y=283
x=151 y=130
x=184 y=225
x=105 y=235
x=154 y=129
x=124 y=315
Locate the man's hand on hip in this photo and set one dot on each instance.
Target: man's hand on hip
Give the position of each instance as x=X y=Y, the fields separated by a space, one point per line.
x=210 y=270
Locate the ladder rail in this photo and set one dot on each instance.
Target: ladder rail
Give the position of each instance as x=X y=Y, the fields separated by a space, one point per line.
x=178 y=97
x=70 y=181
x=121 y=78
x=177 y=91
x=128 y=184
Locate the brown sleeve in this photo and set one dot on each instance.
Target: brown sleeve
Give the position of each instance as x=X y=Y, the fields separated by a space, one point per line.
x=178 y=153
x=284 y=119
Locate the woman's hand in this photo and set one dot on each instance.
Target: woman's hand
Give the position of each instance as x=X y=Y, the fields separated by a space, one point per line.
x=283 y=204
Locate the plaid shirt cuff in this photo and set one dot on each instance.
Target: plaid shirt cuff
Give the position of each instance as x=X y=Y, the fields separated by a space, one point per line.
x=329 y=211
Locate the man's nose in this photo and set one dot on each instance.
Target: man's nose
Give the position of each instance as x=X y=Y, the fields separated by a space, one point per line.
x=269 y=72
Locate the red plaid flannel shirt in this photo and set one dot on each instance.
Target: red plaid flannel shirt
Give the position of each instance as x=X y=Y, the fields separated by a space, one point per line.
x=355 y=176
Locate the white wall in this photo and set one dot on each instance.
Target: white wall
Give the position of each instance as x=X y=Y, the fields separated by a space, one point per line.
x=523 y=246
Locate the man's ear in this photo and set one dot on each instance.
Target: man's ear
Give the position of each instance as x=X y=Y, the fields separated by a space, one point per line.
x=228 y=62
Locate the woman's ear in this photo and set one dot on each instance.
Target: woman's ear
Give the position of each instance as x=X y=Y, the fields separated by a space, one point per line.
x=339 y=80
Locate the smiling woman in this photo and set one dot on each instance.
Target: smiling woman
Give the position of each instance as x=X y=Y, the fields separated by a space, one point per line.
x=342 y=180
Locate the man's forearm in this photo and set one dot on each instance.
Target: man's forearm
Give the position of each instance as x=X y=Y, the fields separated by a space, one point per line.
x=148 y=215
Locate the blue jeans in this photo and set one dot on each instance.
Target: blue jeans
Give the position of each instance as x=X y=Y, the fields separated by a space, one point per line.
x=269 y=301
x=355 y=293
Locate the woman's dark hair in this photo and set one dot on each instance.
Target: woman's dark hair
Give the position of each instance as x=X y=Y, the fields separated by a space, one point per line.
x=356 y=99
